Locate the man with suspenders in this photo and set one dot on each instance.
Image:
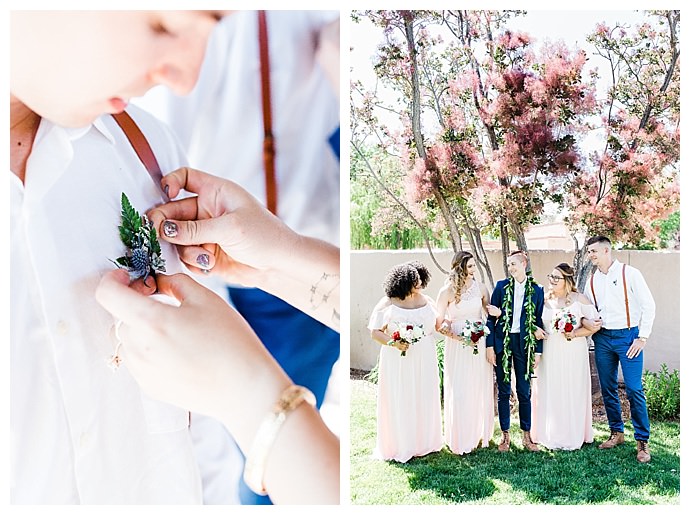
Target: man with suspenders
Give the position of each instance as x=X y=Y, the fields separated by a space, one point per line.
x=626 y=310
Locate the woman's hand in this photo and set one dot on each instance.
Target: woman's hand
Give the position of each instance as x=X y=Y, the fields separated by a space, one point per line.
x=592 y=326
x=223 y=229
x=539 y=333
x=199 y=356
x=401 y=346
x=491 y=356
x=493 y=310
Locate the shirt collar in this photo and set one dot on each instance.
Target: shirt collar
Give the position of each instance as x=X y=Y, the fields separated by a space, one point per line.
x=615 y=265
x=75 y=133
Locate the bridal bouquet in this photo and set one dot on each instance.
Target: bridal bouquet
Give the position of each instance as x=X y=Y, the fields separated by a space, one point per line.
x=564 y=322
x=473 y=332
x=406 y=333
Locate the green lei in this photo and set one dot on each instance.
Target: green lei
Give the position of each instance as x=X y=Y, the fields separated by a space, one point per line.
x=530 y=322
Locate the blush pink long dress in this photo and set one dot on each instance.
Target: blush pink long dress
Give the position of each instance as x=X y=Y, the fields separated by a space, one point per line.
x=468 y=394
x=408 y=407
x=562 y=392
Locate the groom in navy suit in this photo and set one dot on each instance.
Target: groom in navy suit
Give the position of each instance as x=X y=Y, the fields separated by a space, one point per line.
x=515 y=340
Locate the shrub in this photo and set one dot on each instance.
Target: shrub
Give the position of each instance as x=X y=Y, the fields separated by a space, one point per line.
x=373 y=375
x=662 y=390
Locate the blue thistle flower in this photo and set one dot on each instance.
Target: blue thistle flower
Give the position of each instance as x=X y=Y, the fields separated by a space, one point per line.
x=142 y=258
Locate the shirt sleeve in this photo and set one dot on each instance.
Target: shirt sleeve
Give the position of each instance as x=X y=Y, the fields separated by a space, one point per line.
x=378 y=319
x=643 y=296
x=589 y=311
x=588 y=289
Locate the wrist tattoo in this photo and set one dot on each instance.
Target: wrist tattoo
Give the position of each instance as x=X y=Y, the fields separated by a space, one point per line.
x=323 y=288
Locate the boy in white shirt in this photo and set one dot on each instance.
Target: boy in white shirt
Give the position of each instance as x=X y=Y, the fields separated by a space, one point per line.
x=626 y=308
x=81 y=434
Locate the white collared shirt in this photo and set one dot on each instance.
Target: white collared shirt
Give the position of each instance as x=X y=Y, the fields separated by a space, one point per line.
x=610 y=298
x=518 y=301
x=79 y=432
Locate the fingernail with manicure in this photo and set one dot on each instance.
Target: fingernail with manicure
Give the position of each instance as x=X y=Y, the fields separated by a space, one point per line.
x=203 y=260
x=169 y=229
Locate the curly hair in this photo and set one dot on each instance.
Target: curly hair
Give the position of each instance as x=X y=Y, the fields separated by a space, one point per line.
x=458 y=274
x=400 y=280
x=568 y=277
x=423 y=271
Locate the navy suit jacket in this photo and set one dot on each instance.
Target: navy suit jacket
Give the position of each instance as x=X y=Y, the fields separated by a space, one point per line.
x=495 y=338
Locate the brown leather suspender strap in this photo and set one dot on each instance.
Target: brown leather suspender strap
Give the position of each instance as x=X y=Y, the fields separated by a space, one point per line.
x=141 y=147
x=625 y=292
x=625 y=289
x=268 y=147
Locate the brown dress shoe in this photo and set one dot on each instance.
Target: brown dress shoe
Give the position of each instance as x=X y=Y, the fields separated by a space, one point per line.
x=616 y=438
x=505 y=442
x=528 y=443
x=643 y=455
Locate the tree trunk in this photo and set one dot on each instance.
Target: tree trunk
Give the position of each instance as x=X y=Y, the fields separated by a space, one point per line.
x=416 y=96
x=505 y=243
x=474 y=237
x=417 y=131
x=450 y=221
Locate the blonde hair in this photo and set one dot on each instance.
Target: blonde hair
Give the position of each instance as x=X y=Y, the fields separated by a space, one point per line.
x=458 y=273
x=569 y=278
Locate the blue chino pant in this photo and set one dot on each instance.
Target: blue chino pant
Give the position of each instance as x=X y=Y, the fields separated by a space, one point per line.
x=522 y=385
x=610 y=346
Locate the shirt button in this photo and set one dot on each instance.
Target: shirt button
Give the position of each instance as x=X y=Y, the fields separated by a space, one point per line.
x=62 y=327
x=84 y=440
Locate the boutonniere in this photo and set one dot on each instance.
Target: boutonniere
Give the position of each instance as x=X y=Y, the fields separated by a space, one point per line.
x=143 y=255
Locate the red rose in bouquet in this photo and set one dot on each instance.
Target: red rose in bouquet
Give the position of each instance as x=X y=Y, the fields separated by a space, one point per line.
x=406 y=333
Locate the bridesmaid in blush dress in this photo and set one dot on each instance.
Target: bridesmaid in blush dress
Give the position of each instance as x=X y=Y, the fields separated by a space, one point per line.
x=468 y=393
x=562 y=392
x=408 y=410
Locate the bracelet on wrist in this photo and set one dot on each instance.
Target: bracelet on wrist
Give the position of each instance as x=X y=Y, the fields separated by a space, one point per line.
x=255 y=465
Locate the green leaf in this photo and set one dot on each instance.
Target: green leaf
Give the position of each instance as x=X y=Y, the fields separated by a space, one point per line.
x=131 y=223
x=137 y=232
x=123 y=261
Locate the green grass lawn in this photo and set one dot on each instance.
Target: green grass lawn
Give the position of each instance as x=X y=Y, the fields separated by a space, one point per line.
x=485 y=476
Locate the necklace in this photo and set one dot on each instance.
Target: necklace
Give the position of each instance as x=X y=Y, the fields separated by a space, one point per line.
x=530 y=325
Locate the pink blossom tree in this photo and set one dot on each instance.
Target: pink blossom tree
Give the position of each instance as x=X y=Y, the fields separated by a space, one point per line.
x=633 y=180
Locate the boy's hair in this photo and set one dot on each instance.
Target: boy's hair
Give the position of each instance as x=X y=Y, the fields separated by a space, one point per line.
x=599 y=239
x=520 y=253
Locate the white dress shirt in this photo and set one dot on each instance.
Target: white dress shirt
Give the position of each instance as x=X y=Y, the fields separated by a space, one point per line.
x=518 y=301
x=610 y=298
x=79 y=432
x=220 y=124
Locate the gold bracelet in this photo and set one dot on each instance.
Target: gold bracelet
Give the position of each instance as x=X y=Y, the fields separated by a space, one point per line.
x=255 y=464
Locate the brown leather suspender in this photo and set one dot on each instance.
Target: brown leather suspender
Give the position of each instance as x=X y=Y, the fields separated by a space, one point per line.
x=625 y=289
x=268 y=146
x=141 y=147
x=145 y=153
x=625 y=292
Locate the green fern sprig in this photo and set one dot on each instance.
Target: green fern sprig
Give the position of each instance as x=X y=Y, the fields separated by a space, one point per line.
x=143 y=255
